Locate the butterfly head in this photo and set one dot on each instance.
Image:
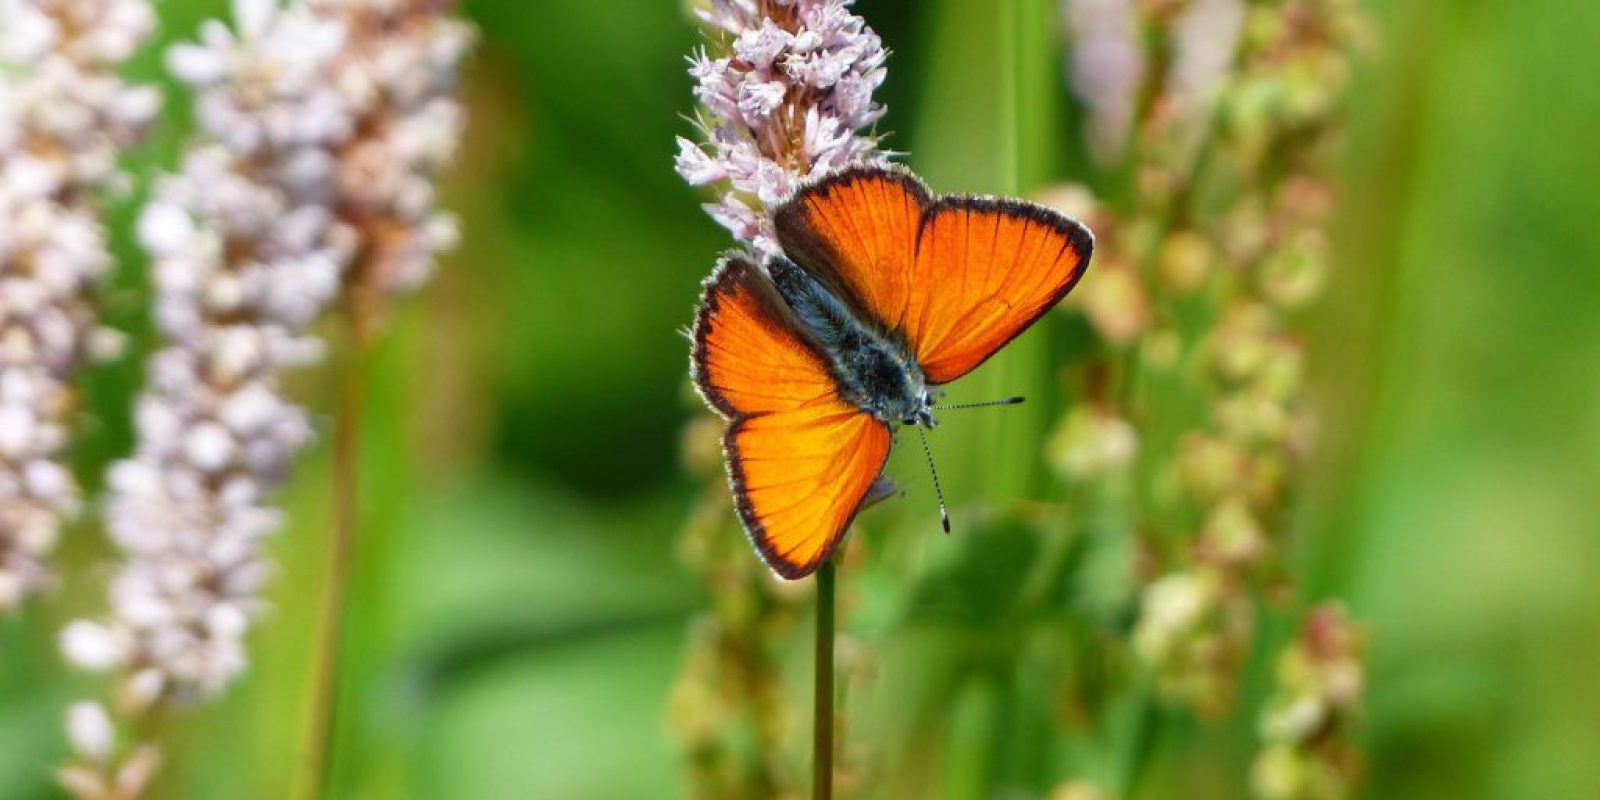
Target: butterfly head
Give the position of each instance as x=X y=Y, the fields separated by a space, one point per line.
x=922 y=414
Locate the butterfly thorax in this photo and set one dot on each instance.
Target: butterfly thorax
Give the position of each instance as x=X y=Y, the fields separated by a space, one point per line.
x=874 y=368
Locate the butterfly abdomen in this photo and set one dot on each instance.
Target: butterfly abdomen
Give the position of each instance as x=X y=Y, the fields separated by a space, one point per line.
x=874 y=371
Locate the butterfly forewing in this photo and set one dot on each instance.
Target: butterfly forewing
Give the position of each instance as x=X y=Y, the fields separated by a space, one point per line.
x=800 y=460
x=856 y=232
x=957 y=277
x=988 y=269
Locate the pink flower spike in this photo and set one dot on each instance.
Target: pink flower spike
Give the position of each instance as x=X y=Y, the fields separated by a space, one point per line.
x=811 y=63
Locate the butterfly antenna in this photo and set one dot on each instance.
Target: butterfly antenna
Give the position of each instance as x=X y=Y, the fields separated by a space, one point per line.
x=944 y=513
x=1008 y=401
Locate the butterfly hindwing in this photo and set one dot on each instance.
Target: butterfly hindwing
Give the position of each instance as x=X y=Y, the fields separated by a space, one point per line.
x=800 y=476
x=957 y=277
x=800 y=460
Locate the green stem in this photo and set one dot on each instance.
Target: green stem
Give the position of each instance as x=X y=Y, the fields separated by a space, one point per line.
x=1050 y=569
x=1139 y=740
x=323 y=720
x=822 y=713
x=1010 y=144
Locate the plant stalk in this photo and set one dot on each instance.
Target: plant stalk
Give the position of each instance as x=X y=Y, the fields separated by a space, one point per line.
x=822 y=713
x=322 y=723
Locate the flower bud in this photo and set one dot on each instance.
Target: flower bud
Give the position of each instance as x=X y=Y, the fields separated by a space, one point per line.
x=1091 y=442
x=1185 y=262
x=1116 y=304
x=89 y=729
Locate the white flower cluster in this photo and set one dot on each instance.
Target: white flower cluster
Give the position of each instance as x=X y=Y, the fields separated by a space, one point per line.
x=398 y=74
x=1109 y=65
x=1106 y=69
x=373 y=78
x=322 y=125
x=65 y=116
x=790 y=99
x=1205 y=42
x=1321 y=677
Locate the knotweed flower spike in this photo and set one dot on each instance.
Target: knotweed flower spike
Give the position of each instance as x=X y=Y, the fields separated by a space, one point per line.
x=65 y=117
x=398 y=73
x=1230 y=201
x=786 y=95
x=321 y=125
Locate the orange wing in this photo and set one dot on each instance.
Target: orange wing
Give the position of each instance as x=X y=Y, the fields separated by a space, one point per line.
x=958 y=277
x=856 y=231
x=800 y=460
x=986 y=269
x=799 y=478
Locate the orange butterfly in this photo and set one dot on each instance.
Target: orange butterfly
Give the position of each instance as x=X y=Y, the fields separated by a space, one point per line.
x=890 y=291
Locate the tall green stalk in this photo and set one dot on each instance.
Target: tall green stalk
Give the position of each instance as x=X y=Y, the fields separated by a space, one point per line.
x=822 y=710
x=322 y=722
x=988 y=124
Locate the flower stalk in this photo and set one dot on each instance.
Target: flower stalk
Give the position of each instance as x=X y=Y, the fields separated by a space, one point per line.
x=822 y=717
x=405 y=134
x=322 y=720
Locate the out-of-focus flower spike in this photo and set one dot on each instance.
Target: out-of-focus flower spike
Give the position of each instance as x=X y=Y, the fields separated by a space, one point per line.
x=1206 y=42
x=321 y=126
x=1305 y=727
x=65 y=117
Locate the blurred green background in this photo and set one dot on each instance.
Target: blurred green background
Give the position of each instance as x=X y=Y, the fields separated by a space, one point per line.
x=520 y=610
